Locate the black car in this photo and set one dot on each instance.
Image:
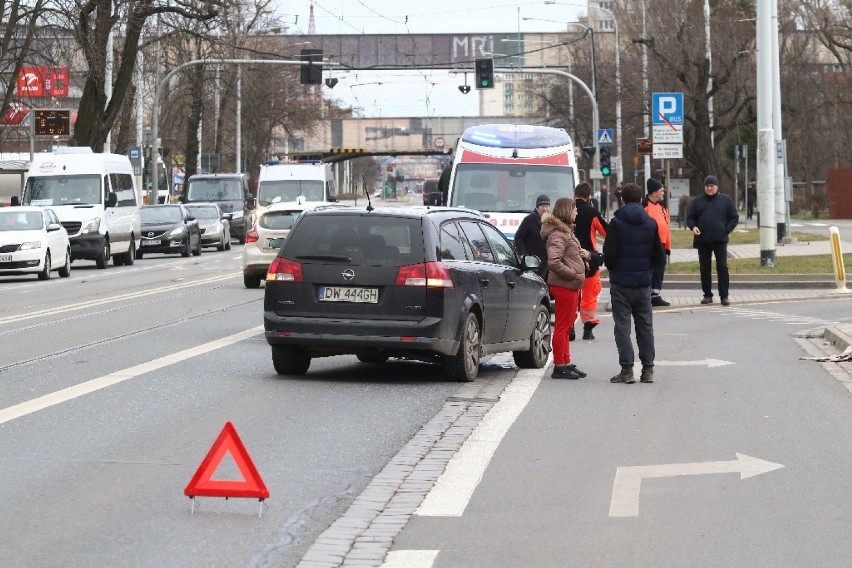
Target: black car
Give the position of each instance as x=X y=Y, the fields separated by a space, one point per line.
x=169 y=229
x=427 y=283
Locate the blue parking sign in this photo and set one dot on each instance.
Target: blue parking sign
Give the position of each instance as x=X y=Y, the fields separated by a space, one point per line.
x=667 y=108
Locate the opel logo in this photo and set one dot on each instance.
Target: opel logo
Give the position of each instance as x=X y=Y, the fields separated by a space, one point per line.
x=348 y=274
x=150 y=235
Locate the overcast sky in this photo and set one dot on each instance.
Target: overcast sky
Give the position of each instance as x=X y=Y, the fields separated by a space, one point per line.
x=419 y=93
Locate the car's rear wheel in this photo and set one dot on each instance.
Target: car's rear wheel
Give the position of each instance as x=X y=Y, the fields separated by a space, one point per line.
x=289 y=361
x=45 y=273
x=251 y=281
x=536 y=356
x=65 y=269
x=140 y=254
x=130 y=255
x=372 y=357
x=103 y=258
x=464 y=365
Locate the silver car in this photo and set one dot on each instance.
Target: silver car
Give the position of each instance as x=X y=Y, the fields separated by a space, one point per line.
x=215 y=226
x=266 y=236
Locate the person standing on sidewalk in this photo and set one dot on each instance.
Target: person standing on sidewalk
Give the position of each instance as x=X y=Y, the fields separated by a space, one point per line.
x=566 y=261
x=711 y=218
x=528 y=236
x=655 y=207
x=632 y=249
x=589 y=224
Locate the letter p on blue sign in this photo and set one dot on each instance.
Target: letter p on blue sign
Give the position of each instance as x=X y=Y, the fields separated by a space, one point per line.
x=667 y=108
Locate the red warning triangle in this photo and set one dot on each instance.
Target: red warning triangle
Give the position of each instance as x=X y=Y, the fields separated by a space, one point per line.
x=251 y=486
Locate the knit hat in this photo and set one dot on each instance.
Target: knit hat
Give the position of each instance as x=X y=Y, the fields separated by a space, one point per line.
x=653 y=185
x=542 y=200
x=711 y=180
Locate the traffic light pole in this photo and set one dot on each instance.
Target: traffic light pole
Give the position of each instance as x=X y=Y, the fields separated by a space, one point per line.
x=155 y=113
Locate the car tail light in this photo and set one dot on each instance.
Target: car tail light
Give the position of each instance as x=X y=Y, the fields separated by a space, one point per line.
x=251 y=235
x=284 y=270
x=428 y=274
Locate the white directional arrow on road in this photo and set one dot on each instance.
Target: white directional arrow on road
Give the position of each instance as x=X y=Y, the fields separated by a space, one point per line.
x=698 y=363
x=628 y=480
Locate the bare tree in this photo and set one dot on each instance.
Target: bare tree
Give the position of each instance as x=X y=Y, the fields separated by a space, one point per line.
x=93 y=22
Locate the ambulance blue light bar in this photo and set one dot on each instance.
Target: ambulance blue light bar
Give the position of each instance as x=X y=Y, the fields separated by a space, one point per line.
x=516 y=136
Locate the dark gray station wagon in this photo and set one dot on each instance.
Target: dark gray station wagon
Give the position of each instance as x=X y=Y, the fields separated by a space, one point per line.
x=433 y=284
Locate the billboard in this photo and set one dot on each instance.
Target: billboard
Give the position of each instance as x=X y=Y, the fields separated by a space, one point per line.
x=43 y=82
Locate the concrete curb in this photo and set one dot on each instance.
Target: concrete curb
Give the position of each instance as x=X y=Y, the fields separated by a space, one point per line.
x=839 y=336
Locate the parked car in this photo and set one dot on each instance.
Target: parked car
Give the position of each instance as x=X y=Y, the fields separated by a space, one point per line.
x=433 y=284
x=33 y=241
x=215 y=225
x=169 y=229
x=264 y=239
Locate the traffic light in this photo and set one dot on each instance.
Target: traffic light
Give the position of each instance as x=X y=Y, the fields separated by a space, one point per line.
x=606 y=164
x=311 y=74
x=485 y=73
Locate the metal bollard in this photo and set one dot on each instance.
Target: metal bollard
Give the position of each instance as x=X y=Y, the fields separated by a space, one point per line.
x=837 y=258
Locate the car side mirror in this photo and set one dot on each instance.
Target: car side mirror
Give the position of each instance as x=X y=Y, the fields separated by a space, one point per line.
x=53 y=227
x=531 y=262
x=190 y=218
x=227 y=216
x=112 y=199
x=16 y=201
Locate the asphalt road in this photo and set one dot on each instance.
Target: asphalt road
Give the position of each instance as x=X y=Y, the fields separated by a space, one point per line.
x=114 y=384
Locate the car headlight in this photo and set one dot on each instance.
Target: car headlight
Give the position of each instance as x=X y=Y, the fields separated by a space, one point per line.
x=237 y=215
x=177 y=232
x=91 y=226
x=31 y=245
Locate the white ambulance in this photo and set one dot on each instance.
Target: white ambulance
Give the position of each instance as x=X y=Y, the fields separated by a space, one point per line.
x=500 y=169
x=95 y=198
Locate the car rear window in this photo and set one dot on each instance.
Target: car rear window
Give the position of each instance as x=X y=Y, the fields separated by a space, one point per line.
x=363 y=239
x=279 y=220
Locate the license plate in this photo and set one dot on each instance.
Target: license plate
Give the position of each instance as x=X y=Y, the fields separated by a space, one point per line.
x=345 y=294
x=5 y=258
x=151 y=242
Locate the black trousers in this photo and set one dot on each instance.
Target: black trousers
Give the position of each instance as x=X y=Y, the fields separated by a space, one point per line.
x=706 y=251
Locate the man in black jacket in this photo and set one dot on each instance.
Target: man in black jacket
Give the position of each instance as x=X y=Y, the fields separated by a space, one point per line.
x=711 y=218
x=587 y=226
x=528 y=236
x=632 y=249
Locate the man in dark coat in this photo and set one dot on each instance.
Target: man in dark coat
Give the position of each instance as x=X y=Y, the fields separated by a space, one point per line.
x=711 y=218
x=528 y=236
x=588 y=225
x=632 y=249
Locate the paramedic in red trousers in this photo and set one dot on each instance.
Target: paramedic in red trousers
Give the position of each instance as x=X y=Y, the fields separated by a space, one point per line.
x=589 y=224
x=567 y=262
x=655 y=207
x=528 y=236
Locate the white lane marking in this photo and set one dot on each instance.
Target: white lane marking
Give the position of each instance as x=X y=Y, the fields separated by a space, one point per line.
x=111 y=299
x=453 y=489
x=628 y=480
x=410 y=559
x=70 y=393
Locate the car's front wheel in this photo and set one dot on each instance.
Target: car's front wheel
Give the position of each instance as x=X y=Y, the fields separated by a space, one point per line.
x=103 y=258
x=536 y=356
x=45 y=273
x=464 y=365
x=65 y=269
x=289 y=361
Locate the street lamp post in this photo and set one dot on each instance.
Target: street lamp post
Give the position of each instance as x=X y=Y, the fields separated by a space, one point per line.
x=618 y=163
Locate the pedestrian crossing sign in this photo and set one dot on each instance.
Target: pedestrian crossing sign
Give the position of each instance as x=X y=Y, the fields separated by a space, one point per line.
x=605 y=137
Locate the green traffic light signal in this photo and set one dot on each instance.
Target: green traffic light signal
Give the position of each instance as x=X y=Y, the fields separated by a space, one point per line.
x=484 y=73
x=605 y=162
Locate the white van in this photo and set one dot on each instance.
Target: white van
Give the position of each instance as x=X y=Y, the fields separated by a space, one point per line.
x=95 y=198
x=280 y=182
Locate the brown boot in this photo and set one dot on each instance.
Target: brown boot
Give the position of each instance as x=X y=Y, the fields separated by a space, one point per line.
x=625 y=376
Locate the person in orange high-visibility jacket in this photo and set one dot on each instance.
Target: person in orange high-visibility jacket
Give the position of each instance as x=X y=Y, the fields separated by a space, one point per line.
x=654 y=204
x=588 y=225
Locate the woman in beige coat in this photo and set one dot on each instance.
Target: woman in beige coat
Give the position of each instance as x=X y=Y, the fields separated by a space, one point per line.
x=567 y=262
